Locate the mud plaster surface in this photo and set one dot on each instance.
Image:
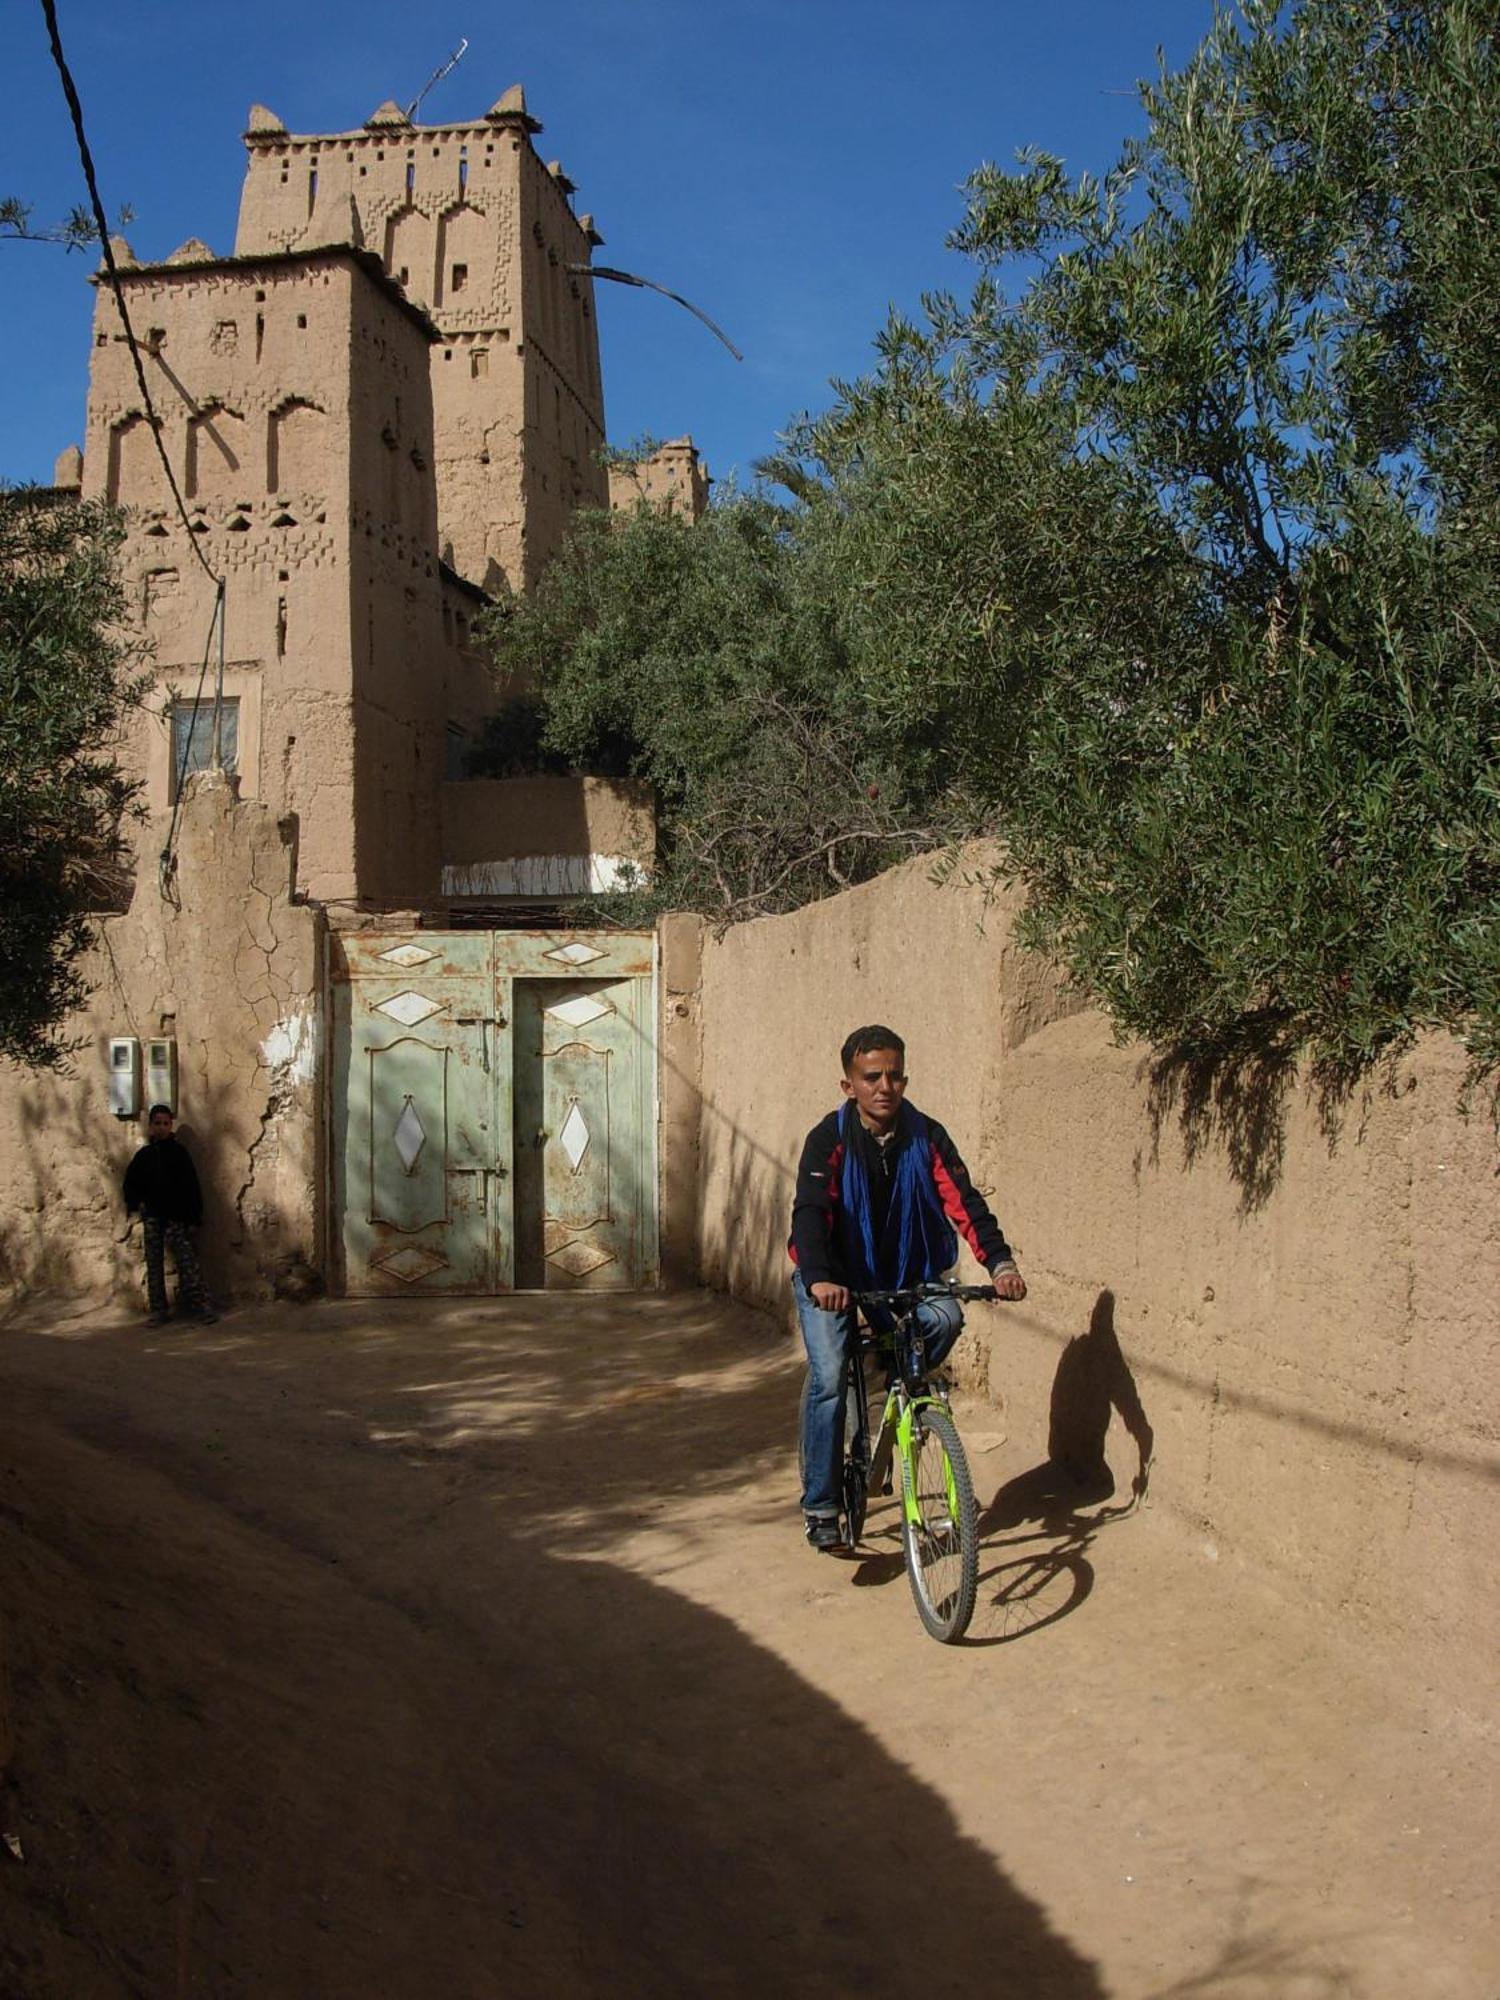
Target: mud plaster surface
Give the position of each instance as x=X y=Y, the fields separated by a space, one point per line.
x=472 y=1650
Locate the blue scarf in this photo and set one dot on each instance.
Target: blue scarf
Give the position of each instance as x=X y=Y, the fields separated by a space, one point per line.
x=925 y=1242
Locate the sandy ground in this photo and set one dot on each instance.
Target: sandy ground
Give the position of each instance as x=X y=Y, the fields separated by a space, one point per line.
x=473 y=1650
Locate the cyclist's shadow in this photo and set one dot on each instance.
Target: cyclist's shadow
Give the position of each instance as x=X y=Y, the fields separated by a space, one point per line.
x=1034 y=1535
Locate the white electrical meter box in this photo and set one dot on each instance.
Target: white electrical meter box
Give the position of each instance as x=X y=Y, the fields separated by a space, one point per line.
x=161 y=1074
x=125 y=1076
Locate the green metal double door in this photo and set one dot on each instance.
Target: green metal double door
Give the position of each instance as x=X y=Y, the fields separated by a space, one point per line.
x=493 y=1114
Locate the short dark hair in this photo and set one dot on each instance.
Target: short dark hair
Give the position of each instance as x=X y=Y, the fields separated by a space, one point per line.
x=863 y=1040
x=166 y=1111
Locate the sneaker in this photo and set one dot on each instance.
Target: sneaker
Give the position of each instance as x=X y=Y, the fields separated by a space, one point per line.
x=822 y=1531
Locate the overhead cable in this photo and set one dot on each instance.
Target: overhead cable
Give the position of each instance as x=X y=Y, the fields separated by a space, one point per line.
x=166 y=864
x=101 y=223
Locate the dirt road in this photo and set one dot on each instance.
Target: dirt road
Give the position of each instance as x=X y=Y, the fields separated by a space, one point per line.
x=472 y=1651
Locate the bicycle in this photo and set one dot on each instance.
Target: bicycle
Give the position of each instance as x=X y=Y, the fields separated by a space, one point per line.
x=939 y=1518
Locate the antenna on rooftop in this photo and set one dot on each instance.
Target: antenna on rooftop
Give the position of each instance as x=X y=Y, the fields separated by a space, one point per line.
x=436 y=78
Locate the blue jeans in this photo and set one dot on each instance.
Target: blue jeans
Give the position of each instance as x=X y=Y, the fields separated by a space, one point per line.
x=828 y=1338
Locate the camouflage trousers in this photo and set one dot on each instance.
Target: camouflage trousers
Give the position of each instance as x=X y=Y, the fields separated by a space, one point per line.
x=176 y=1236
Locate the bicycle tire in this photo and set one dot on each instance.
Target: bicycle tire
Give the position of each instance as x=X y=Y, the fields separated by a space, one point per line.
x=942 y=1554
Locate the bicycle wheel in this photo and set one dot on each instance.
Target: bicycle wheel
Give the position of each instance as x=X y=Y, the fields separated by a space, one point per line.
x=942 y=1549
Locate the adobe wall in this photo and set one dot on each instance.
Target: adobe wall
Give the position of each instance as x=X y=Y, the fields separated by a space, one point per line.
x=1308 y=1326
x=231 y=968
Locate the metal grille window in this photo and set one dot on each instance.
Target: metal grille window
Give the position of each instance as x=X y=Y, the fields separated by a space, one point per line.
x=193 y=738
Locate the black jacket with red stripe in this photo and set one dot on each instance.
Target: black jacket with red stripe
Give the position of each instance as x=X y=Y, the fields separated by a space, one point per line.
x=822 y=1225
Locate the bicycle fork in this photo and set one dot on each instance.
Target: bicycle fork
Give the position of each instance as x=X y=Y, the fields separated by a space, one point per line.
x=895 y=1436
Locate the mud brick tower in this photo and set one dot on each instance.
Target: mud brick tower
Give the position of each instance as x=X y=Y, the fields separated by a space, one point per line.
x=479 y=233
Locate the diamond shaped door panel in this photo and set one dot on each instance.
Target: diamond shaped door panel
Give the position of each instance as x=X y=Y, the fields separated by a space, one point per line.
x=575 y=954
x=574 y=1136
x=580 y=1130
x=580 y=1010
x=576 y=1088
x=408 y=1116
x=409 y=1008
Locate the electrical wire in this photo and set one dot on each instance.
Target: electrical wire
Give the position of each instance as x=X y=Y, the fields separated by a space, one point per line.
x=75 y=109
x=86 y=158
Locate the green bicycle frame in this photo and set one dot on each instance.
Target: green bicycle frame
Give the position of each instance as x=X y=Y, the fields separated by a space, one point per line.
x=895 y=1432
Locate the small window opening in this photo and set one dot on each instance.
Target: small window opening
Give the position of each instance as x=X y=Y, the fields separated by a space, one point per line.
x=312 y=188
x=463 y=175
x=460 y=276
x=193 y=738
x=302 y=319
x=411 y=176
x=479 y=362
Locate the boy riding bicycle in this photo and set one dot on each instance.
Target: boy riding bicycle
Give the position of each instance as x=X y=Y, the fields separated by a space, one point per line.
x=881 y=1193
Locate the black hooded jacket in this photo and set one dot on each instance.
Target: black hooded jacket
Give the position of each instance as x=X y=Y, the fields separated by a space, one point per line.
x=162 y=1181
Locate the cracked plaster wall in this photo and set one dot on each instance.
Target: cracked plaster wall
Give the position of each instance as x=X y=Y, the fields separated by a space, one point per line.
x=1314 y=1342
x=232 y=970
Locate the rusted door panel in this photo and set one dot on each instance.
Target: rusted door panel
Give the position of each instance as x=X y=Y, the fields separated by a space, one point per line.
x=414 y=1123
x=582 y=1209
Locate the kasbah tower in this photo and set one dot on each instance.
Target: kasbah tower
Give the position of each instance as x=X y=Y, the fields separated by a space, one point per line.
x=381 y=411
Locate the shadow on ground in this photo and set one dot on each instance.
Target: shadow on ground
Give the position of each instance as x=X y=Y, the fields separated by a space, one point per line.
x=322 y=1681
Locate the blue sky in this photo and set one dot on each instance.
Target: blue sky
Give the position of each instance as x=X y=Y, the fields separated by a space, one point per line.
x=792 y=166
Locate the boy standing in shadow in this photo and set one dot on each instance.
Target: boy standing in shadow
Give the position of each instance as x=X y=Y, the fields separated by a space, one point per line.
x=162 y=1182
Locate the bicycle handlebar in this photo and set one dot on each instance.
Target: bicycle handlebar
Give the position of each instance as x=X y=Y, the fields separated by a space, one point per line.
x=942 y=1288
